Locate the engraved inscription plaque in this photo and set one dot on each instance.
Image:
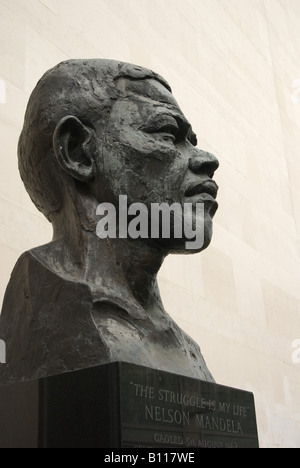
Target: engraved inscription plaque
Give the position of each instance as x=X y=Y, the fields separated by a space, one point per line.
x=122 y=405
x=159 y=409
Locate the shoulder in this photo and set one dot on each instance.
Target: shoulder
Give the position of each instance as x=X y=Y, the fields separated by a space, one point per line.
x=26 y=260
x=19 y=275
x=34 y=281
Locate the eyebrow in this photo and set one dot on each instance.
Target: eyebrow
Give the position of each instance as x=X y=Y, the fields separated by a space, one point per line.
x=185 y=127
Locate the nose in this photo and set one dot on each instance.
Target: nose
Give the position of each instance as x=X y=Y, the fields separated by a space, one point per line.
x=204 y=163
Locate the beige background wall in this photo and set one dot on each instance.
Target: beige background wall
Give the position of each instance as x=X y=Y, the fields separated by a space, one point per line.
x=232 y=64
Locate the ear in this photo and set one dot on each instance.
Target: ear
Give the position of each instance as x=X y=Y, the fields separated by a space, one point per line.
x=72 y=146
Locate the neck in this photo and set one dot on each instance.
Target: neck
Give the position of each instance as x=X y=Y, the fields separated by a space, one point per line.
x=121 y=269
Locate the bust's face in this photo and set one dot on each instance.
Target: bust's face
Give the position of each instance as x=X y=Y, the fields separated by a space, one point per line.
x=149 y=154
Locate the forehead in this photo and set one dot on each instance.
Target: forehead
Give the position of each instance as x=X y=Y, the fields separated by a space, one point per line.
x=148 y=94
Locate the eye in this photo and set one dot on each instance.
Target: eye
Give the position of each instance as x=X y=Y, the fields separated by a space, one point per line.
x=192 y=138
x=164 y=126
x=169 y=132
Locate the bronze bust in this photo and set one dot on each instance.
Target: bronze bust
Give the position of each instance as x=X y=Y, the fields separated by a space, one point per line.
x=95 y=130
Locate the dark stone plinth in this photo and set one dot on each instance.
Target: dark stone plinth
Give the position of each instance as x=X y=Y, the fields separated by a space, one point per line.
x=122 y=405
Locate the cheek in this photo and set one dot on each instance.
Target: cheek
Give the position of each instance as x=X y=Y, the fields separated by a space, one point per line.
x=175 y=177
x=133 y=185
x=155 y=158
x=163 y=176
x=145 y=168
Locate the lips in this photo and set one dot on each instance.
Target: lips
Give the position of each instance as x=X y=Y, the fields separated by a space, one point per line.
x=208 y=187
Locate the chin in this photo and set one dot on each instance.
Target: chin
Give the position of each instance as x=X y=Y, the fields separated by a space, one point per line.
x=186 y=246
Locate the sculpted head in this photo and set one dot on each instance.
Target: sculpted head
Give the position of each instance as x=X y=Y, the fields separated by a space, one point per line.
x=98 y=129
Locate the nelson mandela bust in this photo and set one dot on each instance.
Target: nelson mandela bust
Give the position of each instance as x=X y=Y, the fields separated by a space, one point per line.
x=95 y=130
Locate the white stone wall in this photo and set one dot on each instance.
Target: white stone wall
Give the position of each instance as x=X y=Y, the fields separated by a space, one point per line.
x=232 y=65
